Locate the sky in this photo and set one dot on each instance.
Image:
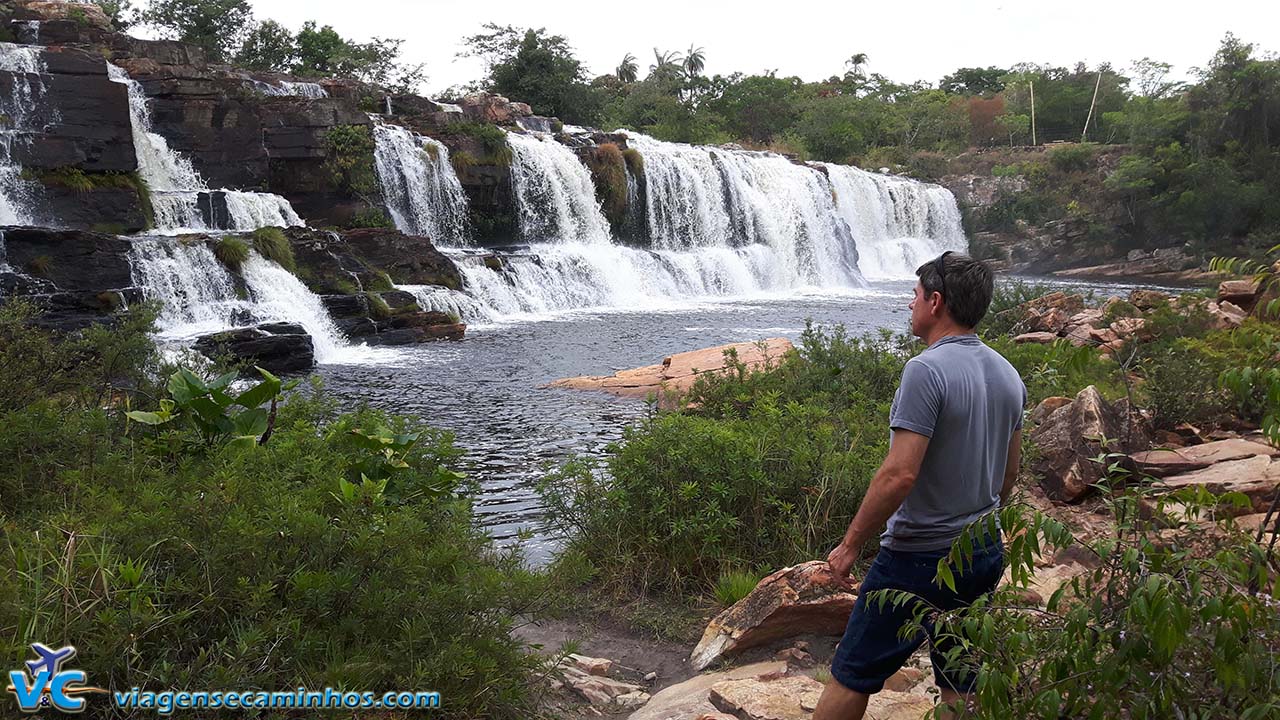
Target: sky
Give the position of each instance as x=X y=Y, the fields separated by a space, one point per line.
x=905 y=41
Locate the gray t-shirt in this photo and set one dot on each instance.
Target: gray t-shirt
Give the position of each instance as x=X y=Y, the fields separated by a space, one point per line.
x=968 y=400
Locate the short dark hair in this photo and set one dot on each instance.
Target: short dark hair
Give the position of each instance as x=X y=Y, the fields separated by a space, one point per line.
x=968 y=285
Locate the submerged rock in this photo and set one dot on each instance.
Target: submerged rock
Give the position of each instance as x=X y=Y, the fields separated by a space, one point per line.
x=800 y=599
x=276 y=347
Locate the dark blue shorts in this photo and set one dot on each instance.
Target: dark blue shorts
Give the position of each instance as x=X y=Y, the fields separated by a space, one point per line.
x=872 y=649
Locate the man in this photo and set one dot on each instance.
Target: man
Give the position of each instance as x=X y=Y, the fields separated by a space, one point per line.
x=954 y=450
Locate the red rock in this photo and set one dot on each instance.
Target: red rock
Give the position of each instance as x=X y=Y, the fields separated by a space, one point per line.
x=1162 y=463
x=800 y=599
x=1147 y=299
x=794 y=656
x=904 y=679
x=1243 y=293
x=678 y=372
x=1043 y=338
x=1257 y=478
x=1046 y=408
x=788 y=698
x=1068 y=440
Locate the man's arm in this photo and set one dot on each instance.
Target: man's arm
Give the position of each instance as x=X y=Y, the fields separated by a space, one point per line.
x=890 y=486
x=1011 y=465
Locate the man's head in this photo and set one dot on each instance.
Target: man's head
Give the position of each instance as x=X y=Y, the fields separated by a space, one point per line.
x=953 y=289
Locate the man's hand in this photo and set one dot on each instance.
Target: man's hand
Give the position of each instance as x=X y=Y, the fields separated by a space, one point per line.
x=841 y=560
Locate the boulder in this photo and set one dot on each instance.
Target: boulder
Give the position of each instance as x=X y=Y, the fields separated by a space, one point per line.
x=1257 y=478
x=1125 y=328
x=1225 y=315
x=81 y=13
x=677 y=373
x=796 y=600
x=1162 y=463
x=494 y=109
x=1043 y=338
x=601 y=690
x=332 y=263
x=1069 y=440
x=1243 y=293
x=786 y=698
x=1147 y=299
x=690 y=698
x=1046 y=408
x=590 y=665
x=904 y=679
x=276 y=347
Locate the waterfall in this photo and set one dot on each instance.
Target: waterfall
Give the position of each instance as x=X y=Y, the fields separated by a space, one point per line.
x=701 y=197
x=419 y=185
x=180 y=197
x=198 y=296
x=289 y=88
x=898 y=224
x=19 y=108
x=554 y=196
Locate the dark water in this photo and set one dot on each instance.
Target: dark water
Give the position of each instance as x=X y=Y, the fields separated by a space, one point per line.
x=487 y=388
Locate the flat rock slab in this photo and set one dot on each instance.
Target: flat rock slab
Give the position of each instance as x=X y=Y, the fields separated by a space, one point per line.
x=689 y=699
x=1163 y=463
x=1257 y=477
x=786 y=698
x=677 y=373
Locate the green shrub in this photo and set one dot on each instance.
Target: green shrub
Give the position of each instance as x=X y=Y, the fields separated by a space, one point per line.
x=271 y=243
x=1060 y=369
x=461 y=159
x=381 y=282
x=173 y=562
x=1003 y=314
x=370 y=217
x=1073 y=157
x=232 y=252
x=349 y=160
x=767 y=470
x=609 y=172
x=493 y=141
x=733 y=585
x=634 y=160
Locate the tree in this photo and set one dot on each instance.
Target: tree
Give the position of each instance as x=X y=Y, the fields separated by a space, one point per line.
x=665 y=64
x=538 y=68
x=758 y=107
x=974 y=81
x=215 y=25
x=627 y=70
x=269 y=47
x=121 y=13
x=323 y=52
x=857 y=64
x=694 y=61
x=1151 y=78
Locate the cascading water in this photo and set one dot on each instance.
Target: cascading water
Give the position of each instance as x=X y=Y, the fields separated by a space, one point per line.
x=555 y=197
x=419 y=185
x=197 y=296
x=898 y=224
x=19 y=107
x=289 y=88
x=180 y=197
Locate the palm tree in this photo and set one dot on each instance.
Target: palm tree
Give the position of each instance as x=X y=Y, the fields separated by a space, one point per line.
x=857 y=64
x=694 y=61
x=627 y=70
x=664 y=62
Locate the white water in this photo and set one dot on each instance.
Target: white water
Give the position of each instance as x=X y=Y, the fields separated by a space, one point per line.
x=555 y=197
x=419 y=185
x=177 y=187
x=898 y=224
x=289 y=88
x=198 y=296
x=20 y=107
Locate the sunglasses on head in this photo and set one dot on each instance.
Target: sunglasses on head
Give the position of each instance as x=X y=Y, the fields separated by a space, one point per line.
x=940 y=267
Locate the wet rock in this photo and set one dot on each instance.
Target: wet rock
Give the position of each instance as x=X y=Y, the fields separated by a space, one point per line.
x=678 y=372
x=277 y=347
x=1162 y=463
x=333 y=263
x=786 y=698
x=796 y=600
x=1069 y=440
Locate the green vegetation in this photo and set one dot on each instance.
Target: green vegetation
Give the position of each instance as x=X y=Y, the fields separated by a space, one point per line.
x=245 y=539
x=1163 y=623
x=378 y=308
x=370 y=217
x=609 y=171
x=733 y=585
x=537 y=68
x=493 y=144
x=271 y=243
x=231 y=252
x=349 y=160
x=764 y=470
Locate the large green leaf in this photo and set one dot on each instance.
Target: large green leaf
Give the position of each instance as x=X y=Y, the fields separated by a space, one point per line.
x=251 y=422
x=223 y=381
x=259 y=394
x=148 y=418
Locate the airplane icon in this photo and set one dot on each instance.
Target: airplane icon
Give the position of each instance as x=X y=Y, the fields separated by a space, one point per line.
x=50 y=660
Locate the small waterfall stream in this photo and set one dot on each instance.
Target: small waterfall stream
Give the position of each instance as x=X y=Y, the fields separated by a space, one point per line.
x=19 y=107
x=180 y=197
x=419 y=185
x=555 y=197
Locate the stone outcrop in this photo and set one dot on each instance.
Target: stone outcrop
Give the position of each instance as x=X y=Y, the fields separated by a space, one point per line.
x=786 y=698
x=803 y=598
x=332 y=262
x=1256 y=477
x=276 y=347
x=677 y=373
x=1069 y=439
x=691 y=698
x=75 y=277
x=492 y=109
x=390 y=317
x=1166 y=462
